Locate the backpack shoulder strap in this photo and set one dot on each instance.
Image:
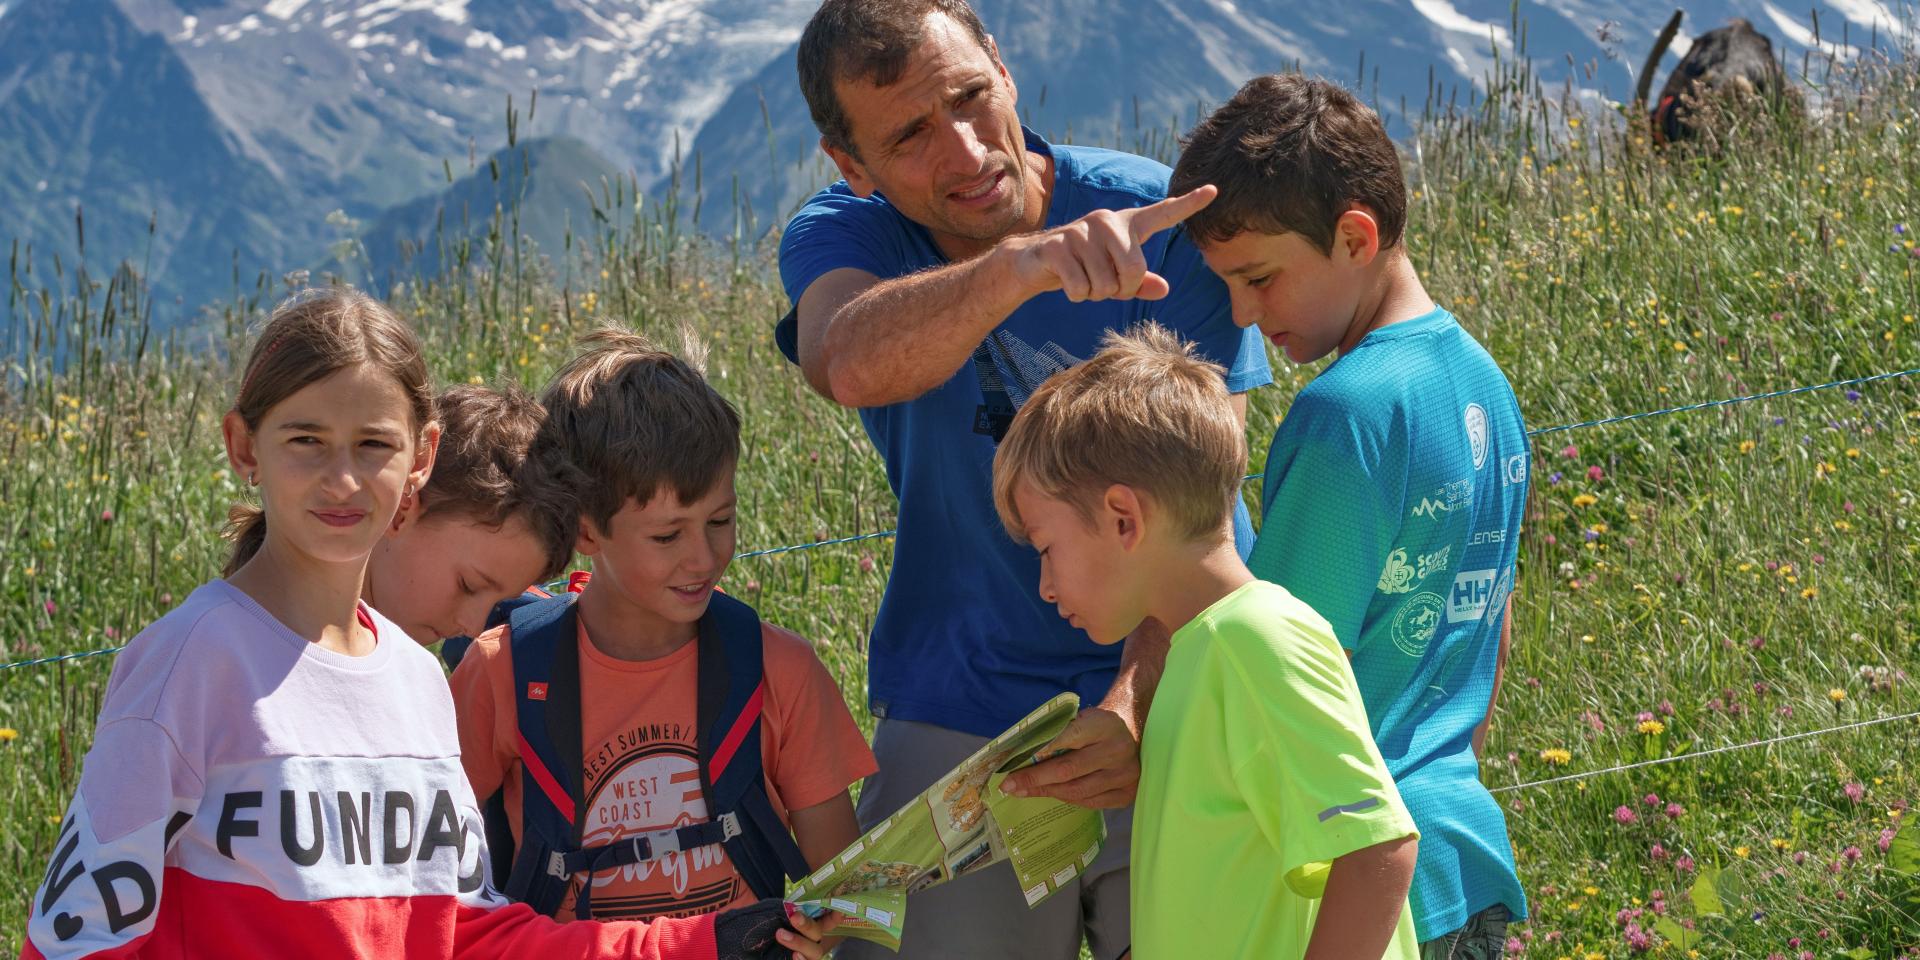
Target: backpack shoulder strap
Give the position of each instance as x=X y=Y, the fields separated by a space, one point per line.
x=731 y=694
x=546 y=681
x=544 y=645
x=732 y=688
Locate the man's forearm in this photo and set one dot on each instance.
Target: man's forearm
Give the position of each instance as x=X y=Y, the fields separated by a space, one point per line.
x=1143 y=658
x=900 y=338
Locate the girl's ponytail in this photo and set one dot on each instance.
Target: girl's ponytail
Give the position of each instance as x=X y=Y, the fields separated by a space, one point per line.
x=247 y=529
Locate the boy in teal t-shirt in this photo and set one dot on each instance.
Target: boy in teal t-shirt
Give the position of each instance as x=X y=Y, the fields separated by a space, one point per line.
x=1266 y=824
x=1396 y=483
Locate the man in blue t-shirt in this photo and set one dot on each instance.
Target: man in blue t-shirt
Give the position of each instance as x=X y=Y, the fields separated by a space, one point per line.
x=1396 y=484
x=961 y=262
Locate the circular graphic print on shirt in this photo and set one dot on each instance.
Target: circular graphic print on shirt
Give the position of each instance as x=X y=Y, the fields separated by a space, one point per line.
x=1417 y=621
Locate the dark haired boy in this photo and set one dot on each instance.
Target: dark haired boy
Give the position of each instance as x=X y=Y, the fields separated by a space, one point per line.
x=655 y=748
x=1394 y=487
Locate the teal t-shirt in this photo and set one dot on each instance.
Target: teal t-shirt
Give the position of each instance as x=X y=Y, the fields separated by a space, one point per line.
x=1256 y=771
x=1393 y=498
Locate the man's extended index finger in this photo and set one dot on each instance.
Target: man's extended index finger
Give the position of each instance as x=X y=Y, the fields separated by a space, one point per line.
x=1153 y=218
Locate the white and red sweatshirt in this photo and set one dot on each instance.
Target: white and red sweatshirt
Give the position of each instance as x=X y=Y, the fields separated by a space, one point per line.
x=250 y=794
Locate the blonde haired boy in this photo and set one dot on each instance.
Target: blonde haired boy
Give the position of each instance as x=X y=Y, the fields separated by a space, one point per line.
x=1267 y=824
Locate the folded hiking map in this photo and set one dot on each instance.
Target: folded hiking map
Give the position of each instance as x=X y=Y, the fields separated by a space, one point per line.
x=961 y=824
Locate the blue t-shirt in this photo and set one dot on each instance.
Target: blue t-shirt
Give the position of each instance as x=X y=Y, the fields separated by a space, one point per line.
x=1393 y=497
x=963 y=639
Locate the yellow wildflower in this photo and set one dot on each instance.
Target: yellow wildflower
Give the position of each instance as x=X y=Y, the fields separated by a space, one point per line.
x=1780 y=844
x=1555 y=756
x=1746 y=446
x=1652 y=727
x=1836 y=695
x=1585 y=500
x=1809 y=593
x=1741 y=852
x=8 y=734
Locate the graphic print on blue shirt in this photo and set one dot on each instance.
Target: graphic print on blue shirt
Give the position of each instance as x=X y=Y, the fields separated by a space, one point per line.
x=1393 y=497
x=962 y=639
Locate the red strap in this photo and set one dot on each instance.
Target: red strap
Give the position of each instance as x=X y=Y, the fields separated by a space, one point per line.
x=544 y=777
x=577 y=580
x=366 y=619
x=741 y=724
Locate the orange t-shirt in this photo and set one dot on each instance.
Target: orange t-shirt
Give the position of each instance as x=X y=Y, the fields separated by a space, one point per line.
x=642 y=762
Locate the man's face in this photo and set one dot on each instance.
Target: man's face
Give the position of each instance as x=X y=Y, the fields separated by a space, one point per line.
x=943 y=142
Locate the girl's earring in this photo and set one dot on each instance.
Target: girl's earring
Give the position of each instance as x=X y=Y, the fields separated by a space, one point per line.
x=406 y=502
x=252 y=480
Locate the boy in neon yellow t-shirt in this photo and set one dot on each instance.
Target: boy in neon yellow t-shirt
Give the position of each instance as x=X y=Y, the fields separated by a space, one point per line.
x=1266 y=823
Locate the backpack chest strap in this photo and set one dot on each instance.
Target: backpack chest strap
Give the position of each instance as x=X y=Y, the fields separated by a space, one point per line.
x=644 y=847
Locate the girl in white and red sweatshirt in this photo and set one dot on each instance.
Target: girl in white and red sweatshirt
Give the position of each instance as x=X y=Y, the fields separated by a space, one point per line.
x=277 y=770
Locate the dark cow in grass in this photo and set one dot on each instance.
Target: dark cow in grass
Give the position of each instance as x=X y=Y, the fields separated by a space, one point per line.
x=1725 y=71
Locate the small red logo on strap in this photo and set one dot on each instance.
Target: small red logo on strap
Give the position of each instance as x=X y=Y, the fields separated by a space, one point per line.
x=536 y=691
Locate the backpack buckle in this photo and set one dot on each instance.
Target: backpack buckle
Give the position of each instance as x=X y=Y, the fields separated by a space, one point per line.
x=729 y=826
x=658 y=844
x=557 y=865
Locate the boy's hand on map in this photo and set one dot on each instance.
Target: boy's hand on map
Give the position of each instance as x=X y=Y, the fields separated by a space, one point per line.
x=757 y=932
x=1094 y=762
x=808 y=937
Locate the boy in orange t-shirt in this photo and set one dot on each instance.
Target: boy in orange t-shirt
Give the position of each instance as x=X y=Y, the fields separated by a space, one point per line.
x=656 y=448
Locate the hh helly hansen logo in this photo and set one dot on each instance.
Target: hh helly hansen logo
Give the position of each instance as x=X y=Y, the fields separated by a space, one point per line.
x=1471 y=591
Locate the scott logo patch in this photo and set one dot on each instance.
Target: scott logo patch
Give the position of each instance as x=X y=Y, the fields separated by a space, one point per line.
x=536 y=691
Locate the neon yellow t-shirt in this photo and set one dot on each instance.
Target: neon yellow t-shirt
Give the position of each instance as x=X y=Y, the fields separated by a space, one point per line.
x=1257 y=770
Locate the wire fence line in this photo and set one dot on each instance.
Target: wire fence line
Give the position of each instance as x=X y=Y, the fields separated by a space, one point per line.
x=881 y=534
x=1696 y=754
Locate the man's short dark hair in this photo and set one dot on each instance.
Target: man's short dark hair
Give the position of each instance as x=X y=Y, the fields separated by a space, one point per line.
x=1289 y=153
x=867 y=40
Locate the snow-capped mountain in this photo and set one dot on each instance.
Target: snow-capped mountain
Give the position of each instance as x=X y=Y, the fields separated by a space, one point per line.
x=1135 y=72
x=239 y=125
x=372 y=94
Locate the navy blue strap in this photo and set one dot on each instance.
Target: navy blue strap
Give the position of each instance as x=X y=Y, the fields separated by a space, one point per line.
x=546 y=668
x=650 y=846
x=732 y=775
